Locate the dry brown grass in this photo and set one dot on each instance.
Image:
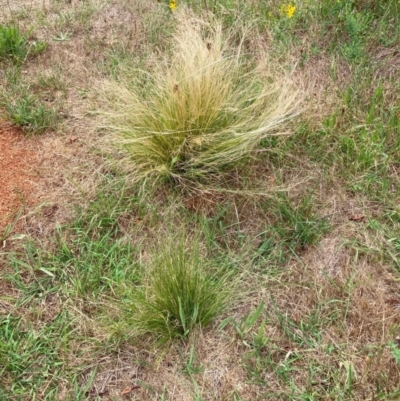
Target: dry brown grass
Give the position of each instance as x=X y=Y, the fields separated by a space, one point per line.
x=69 y=171
x=347 y=279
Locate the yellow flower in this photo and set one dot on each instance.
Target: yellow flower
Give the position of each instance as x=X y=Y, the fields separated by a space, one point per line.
x=173 y=4
x=289 y=9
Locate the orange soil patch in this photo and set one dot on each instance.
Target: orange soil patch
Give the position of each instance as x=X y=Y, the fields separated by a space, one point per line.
x=18 y=162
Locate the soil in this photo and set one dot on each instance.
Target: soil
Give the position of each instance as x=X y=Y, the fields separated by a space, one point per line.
x=18 y=172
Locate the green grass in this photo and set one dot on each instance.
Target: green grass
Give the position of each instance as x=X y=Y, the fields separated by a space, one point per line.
x=33 y=106
x=279 y=279
x=15 y=46
x=298 y=226
x=31 y=115
x=30 y=356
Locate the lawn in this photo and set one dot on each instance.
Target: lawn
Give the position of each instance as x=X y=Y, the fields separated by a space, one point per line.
x=215 y=210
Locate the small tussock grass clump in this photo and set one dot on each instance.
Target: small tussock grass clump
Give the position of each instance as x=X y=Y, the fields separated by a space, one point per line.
x=203 y=110
x=180 y=292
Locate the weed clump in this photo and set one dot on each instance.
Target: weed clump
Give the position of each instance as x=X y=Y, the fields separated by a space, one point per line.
x=31 y=114
x=201 y=112
x=15 y=46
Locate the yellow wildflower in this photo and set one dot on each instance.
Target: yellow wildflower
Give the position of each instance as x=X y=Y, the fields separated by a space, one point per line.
x=289 y=9
x=173 y=4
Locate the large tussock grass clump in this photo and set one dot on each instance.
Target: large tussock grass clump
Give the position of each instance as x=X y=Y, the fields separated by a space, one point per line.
x=203 y=111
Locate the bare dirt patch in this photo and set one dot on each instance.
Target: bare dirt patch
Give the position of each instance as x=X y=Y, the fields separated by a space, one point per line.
x=18 y=172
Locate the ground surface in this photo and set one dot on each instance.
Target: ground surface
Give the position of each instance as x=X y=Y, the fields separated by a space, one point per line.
x=19 y=162
x=310 y=226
